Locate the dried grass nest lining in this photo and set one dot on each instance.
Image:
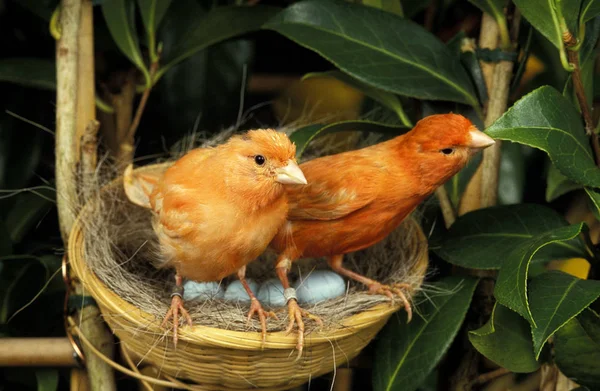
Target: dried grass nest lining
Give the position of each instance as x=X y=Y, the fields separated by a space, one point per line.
x=120 y=248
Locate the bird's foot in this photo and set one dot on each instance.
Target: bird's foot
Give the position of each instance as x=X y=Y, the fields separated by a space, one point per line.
x=173 y=312
x=256 y=308
x=391 y=291
x=295 y=316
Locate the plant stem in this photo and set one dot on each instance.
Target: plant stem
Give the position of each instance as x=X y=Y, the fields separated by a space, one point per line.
x=446 y=206
x=66 y=115
x=573 y=56
x=126 y=143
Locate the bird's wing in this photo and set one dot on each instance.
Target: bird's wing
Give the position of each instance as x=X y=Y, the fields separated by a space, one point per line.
x=337 y=186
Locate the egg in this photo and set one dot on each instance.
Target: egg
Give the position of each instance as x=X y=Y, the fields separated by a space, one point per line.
x=319 y=285
x=270 y=293
x=236 y=292
x=193 y=290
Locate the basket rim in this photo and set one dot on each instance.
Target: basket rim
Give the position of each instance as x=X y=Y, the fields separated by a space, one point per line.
x=198 y=334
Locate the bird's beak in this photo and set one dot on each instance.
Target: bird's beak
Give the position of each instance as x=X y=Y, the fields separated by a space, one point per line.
x=480 y=140
x=291 y=174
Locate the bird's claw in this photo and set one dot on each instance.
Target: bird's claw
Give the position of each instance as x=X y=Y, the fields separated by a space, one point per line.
x=393 y=290
x=256 y=308
x=295 y=315
x=173 y=312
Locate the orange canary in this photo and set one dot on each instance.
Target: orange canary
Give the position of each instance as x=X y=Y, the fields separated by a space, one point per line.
x=355 y=199
x=216 y=209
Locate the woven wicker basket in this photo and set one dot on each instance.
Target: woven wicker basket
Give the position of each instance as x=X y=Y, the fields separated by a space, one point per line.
x=220 y=359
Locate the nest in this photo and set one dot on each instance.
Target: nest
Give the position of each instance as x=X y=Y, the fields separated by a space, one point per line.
x=112 y=249
x=121 y=249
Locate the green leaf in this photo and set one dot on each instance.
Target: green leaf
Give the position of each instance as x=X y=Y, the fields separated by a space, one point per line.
x=403 y=57
x=47 y=379
x=30 y=72
x=557 y=184
x=589 y=10
x=406 y=353
x=555 y=298
x=594 y=197
x=511 y=286
x=542 y=15
x=385 y=98
x=303 y=136
x=392 y=6
x=217 y=25
x=152 y=13
x=483 y=239
x=413 y=7
x=506 y=340
x=577 y=349
x=546 y=120
x=119 y=17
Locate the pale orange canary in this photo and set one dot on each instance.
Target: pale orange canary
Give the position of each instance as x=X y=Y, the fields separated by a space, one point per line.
x=216 y=209
x=355 y=199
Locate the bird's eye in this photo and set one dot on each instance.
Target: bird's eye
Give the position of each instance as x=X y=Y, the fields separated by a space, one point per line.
x=447 y=151
x=259 y=159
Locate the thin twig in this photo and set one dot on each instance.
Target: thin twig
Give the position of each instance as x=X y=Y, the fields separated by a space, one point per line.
x=446 y=206
x=140 y=110
x=488 y=376
x=573 y=57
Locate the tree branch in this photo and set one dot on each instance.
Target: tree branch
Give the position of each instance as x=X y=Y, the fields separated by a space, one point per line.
x=66 y=115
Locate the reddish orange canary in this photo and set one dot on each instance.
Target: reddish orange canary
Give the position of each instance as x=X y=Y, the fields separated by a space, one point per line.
x=217 y=209
x=355 y=199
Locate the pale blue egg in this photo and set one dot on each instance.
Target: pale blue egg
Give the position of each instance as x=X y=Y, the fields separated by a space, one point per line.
x=270 y=293
x=193 y=290
x=319 y=285
x=236 y=292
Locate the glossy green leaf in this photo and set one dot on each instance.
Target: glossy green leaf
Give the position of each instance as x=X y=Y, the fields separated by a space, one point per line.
x=577 y=349
x=511 y=286
x=557 y=184
x=152 y=13
x=542 y=15
x=392 y=6
x=386 y=99
x=403 y=57
x=589 y=10
x=546 y=120
x=30 y=72
x=555 y=298
x=119 y=17
x=506 y=340
x=483 y=239
x=47 y=379
x=303 y=136
x=217 y=25
x=406 y=353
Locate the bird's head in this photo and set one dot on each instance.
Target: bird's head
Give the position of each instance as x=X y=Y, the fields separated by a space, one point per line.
x=268 y=157
x=444 y=144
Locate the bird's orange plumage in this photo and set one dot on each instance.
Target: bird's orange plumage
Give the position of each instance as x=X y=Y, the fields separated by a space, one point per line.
x=217 y=209
x=355 y=199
